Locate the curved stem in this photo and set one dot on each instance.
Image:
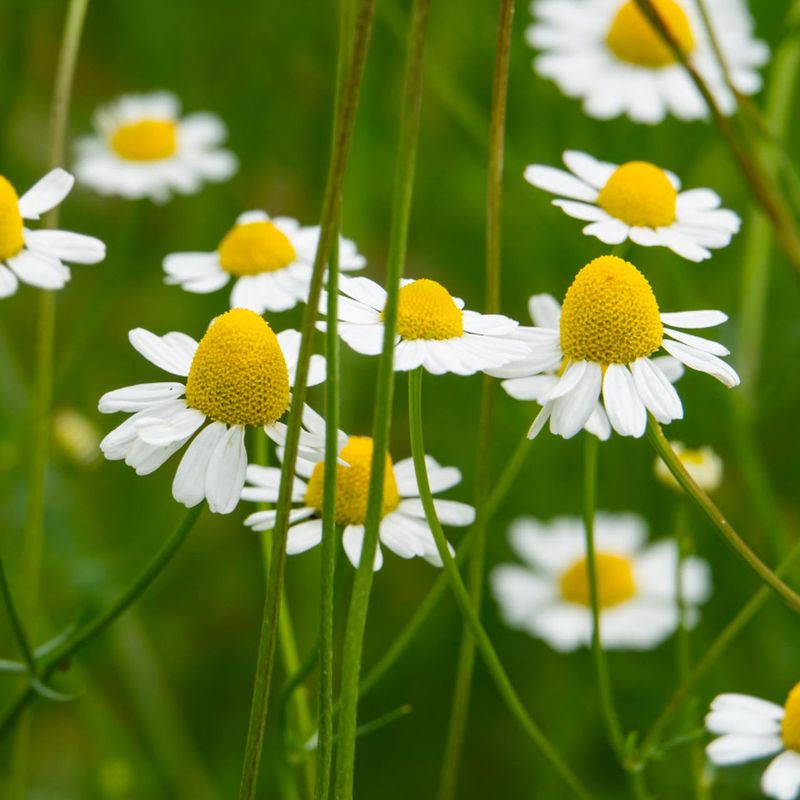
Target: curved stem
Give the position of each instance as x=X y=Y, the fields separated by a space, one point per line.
x=493 y=663
x=16 y=623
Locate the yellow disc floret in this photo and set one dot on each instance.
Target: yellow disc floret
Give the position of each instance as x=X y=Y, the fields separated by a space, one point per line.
x=426 y=310
x=352 y=483
x=633 y=38
x=255 y=247
x=639 y=194
x=11 y=240
x=615 y=583
x=790 y=726
x=239 y=374
x=145 y=140
x=610 y=315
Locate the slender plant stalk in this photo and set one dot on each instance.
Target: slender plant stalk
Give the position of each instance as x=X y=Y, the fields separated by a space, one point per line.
x=459 y=711
x=18 y=629
x=331 y=208
x=384 y=393
x=461 y=595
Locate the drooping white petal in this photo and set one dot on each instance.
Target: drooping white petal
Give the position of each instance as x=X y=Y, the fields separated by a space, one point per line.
x=698 y=342
x=625 y=409
x=703 y=362
x=572 y=411
x=781 y=779
x=226 y=471
x=656 y=392
x=8 y=282
x=189 y=484
x=162 y=431
x=353 y=540
x=39 y=269
x=304 y=536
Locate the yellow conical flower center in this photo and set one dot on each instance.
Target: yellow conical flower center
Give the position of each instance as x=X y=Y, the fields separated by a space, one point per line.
x=633 y=38
x=640 y=194
x=255 y=247
x=145 y=140
x=352 y=483
x=426 y=310
x=239 y=374
x=610 y=314
x=790 y=727
x=11 y=239
x=615 y=583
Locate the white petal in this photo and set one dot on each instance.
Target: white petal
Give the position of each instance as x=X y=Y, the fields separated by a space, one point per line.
x=440 y=478
x=46 y=193
x=588 y=169
x=352 y=541
x=782 y=777
x=188 y=487
x=707 y=345
x=748 y=704
x=72 y=247
x=533 y=388
x=608 y=231
x=303 y=536
x=172 y=352
x=8 y=282
x=624 y=407
x=656 y=392
x=545 y=311
x=142 y=395
x=364 y=290
x=568 y=381
x=226 y=471
x=582 y=211
x=519 y=593
x=557 y=181
x=735 y=748
x=40 y=270
x=164 y=431
x=571 y=412
x=449 y=512
x=694 y=319
x=703 y=362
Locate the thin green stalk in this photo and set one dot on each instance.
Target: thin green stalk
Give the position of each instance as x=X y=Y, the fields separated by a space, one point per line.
x=493 y=663
x=670 y=458
x=384 y=393
x=331 y=210
x=17 y=626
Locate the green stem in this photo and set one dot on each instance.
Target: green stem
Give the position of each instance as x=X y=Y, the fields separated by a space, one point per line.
x=493 y=663
x=17 y=627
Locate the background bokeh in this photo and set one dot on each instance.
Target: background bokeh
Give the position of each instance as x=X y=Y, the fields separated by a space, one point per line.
x=164 y=697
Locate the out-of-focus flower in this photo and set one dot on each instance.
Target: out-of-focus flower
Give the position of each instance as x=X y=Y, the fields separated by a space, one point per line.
x=77 y=437
x=702 y=463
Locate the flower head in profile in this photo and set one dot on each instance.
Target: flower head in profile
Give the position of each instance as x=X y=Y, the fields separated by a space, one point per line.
x=608 y=332
x=749 y=728
x=702 y=463
x=637 y=201
x=270 y=259
x=36 y=257
x=608 y=54
x=549 y=597
x=238 y=376
x=142 y=147
x=433 y=329
x=403 y=527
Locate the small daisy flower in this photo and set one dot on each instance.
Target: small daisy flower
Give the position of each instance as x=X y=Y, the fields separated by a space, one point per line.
x=433 y=329
x=35 y=257
x=549 y=597
x=703 y=464
x=403 y=527
x=608 y=331
x=752 y=728
x=271 y=261
x=142 y=147
x=238 y=376
x=608 y=54
x=637 y=201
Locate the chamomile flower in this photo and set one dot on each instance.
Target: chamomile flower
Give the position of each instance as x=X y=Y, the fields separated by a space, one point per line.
x=36 y=257
x=549 y=597
x=637 y=201
x=608 y=331
x=238 y=376
x=271 y=261
x=403 y=527
x=752 y=728
x=433 y=329
x=702 y=463
x=142 y=147
x=608 y=54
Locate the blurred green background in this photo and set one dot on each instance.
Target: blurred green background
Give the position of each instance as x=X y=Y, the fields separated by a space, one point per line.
x=164 y=696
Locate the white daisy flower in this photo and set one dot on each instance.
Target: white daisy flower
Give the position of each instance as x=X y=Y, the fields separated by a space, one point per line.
x=142 y=147
x=549 y=597
x=603 y=344
x=238 y=376
x=752 y=728
x=433 y=329
x=403 y=527
x=637 y=201
x=271 y=261
x=524 y=379
x=36 y=257
x=608 y=54
x=702 y=463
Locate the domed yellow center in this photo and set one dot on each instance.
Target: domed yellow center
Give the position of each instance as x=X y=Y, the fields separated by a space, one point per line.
x=426 y=310
x=238 y=374
x=634 y=39
x=790 y=727
x=255 y=247
x=145 y=140
x=610 y=314
x=11 y=240
x=615 y=583
x=639 y=194
x=352 y=483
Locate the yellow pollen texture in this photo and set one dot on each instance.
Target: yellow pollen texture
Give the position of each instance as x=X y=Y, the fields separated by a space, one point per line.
x=255 y=247
x=426 y=310
x=790 y=727
x=639 y=194
x=610 y=314
x=615 y=583
x=11 y=240
x=145 y=140
x=352 y=483
x=239 y=374
x=633 y=38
